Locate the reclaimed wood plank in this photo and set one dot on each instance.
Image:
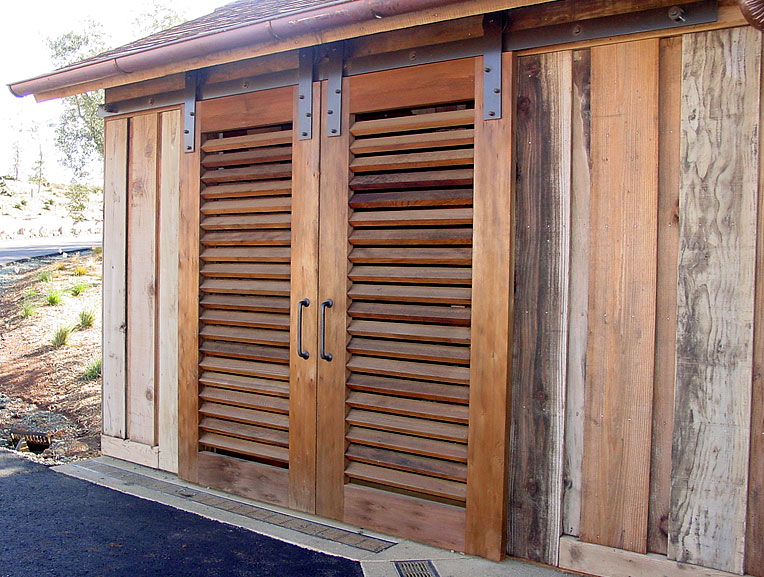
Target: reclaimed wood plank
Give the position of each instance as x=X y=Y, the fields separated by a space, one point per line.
x=491 y=368
x=248 y=141
x=622 y=281
x=244 y=110
x=665 y=306
x=721 y=96
x=542 y=250
x=114 y=400
x=141 y=280
x=429 y=121
x=167 y=280
x=578 y=303
x=252 y=480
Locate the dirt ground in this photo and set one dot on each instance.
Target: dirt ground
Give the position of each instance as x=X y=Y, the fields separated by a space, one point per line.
x=44 y=387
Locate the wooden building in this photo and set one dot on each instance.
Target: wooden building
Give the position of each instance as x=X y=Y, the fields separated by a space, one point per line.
x=486 y=274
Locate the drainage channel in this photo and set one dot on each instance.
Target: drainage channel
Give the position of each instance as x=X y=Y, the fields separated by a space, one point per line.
x=416 y=569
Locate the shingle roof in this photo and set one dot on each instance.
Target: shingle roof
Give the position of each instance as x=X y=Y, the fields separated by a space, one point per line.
x=233 y=15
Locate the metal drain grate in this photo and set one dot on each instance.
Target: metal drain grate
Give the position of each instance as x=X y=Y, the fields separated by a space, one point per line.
x=416 y=569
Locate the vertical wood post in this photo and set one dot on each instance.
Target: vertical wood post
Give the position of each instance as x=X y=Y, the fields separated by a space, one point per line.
x=492 y=315
x=188 y=313
x=115 y=278
x=304 y=284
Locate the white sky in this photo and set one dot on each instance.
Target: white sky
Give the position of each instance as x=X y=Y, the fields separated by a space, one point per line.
x=24 y=54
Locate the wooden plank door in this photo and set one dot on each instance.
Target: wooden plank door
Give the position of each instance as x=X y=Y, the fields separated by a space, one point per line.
x=413 y=406
x=259 y=236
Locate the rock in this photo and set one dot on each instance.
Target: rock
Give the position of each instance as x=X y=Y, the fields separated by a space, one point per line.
x=65 y=448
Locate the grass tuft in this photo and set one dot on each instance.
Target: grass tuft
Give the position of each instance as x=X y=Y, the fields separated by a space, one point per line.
x=28 y=310
x=81 y=270
x=54 y=297
x=78 y=289
x=87 y=319
x=44 y=276
x=60 y=266
x=61 y=337
x=92 y=370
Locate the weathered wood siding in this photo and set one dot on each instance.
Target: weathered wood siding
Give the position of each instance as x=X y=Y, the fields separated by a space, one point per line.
x=140 y=280
x=637 y=404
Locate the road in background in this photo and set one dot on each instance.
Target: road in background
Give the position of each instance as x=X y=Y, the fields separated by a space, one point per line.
x=22 y=249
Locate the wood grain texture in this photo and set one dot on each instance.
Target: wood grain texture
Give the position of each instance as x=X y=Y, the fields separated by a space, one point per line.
x=592 y=559
x=665 y=304
x=245 y=478
x=141 y=280
x=244 y=110
x=407 y=517
x=578 y=304
x=714 y=355
x=333 y=284
x=130 y=451
x=188 y=313
x=492 y=315
x=622 y=276
x=425 y=85
x=114 y=399
x=167 y=280
x=754 y=542
x=542 y=250
x=304 y=284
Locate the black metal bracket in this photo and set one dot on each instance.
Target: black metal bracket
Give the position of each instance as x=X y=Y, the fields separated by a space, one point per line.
x=305 y=77
x=334 y=70
x=493 y=29
x=688 y=14
x=189 y=112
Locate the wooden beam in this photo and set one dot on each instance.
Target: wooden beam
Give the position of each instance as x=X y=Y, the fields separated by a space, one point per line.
x=665 y=305
x=333 y=284
x=245 y=110
x=167 y=282
x=130 y=451
x=593 y=559
x=114 y=411
x=578 y=314
x=141 y=280
x=492 y=315
x=721 y=95
x=622 y=277
x=188 y=313
x=754 y=542
x=542 y=251
x=304 y=284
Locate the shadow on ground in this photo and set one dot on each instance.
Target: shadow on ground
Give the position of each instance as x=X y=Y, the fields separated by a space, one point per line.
x=54 y=525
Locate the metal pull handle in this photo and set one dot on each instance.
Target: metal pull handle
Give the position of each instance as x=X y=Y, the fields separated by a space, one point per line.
x=327 y=304
x=304 y=303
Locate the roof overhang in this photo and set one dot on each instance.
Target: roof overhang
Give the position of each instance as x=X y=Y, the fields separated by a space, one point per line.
x=333 y=22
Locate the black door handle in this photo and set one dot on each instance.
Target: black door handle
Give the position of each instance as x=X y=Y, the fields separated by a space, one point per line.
x=327 y=304
x=304 y=303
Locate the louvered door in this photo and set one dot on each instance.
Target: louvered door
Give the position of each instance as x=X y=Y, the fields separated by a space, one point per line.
x=396 y=260
x=252 y=439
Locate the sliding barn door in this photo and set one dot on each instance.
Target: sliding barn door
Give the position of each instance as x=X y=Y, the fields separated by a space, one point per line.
x=258 y=219
x=402 y=432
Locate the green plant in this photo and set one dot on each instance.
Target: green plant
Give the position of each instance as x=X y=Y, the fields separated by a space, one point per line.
x=61 y=336
x=92 y=370
x=17 y=205
x=27 y=310
x=31 y=293
x=44 y=276
x=54 y=297
x=80 y=270
x=60 y=266
x=87 y=319
x=23 y=203
x=78 y=289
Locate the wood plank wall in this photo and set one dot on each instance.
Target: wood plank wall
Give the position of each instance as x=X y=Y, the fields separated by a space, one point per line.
x=637 y=405
x=140 y=395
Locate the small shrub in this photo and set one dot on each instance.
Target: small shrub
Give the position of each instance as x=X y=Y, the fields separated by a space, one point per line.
x=78 y=289
x=17 y=206
x=61 y=337
x=23 y=203
x=44 y=277
x=54 y=297
x=92 y=370
x=27 y=310
x=60 y=266
x=81 y=270
x=87 y=319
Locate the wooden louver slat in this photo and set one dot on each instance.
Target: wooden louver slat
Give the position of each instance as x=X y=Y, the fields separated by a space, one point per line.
x=411 y=290
x=245 y=284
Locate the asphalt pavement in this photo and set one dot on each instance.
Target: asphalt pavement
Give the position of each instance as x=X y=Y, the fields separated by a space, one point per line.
x=53 y=525
x=19 y=250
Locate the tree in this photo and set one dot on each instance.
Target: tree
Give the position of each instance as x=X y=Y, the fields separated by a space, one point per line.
x=79 y=134
x=160 y=17
x=16 y=163
x=38 y=174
